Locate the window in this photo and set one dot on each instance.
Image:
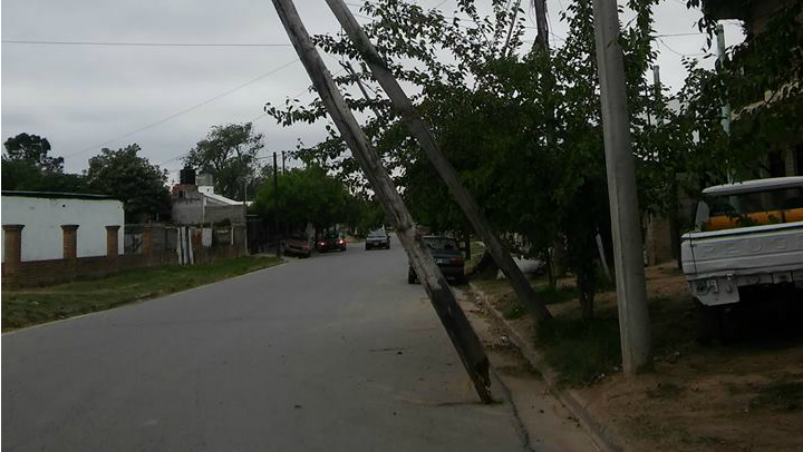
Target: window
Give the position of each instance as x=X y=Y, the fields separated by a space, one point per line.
x=799 y=160
x=764 y=201
x=751 y=209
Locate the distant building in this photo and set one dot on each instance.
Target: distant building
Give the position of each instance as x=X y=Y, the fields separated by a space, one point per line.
x=43 y=216
x=195 y=202
x=756 y=15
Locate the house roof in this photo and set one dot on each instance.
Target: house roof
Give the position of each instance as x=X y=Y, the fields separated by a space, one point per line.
x=755 y=185
x=55 y=194
x=222 y=199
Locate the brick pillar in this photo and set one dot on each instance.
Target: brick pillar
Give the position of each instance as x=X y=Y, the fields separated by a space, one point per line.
x=112 y=243
x=70 y=249
x=70 y=234
x=13 y=251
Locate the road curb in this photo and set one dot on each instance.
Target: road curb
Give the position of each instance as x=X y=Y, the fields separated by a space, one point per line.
x=606 y=437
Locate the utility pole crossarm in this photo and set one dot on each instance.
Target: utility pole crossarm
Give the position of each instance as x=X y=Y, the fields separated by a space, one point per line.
x=463 y=337
x=421 y=131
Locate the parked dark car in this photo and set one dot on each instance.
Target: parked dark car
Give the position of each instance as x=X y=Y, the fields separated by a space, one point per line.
x=448 y=257
x=331 y=242
x=299 y=245
x=377 y=239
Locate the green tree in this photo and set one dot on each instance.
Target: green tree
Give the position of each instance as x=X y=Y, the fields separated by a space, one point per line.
x=306 y=196
x=27 y=166
x=34 y=149
x=132 y=179
x=522 y=125
x=229 y=154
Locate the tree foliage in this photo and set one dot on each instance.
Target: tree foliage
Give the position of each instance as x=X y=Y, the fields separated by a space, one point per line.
x=522 y=125
x=229 y=154
x=132 y=179
x=306 y=196
x=28 y=167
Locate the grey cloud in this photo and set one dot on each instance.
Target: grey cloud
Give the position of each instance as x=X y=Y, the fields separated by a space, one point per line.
x=82 y=96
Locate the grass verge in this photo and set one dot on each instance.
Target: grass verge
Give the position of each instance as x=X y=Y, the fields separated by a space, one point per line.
x=581 y=351
x=24 y=307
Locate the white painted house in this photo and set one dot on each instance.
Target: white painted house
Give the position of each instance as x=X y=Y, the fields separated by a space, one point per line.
x=42 y=214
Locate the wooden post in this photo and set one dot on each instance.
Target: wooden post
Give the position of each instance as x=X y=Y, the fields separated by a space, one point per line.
x=631 y=291
x=541 y=23
x=443 y=299
x=426 y=139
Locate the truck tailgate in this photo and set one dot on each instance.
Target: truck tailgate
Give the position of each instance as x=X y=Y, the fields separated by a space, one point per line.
x=747 y=250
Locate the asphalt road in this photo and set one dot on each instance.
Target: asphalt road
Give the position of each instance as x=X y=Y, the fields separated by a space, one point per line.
x=332 y=353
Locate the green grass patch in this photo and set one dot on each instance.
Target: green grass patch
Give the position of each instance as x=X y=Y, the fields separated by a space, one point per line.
x=30 y=306
x=492 y=286
x=581 y=351
x=512 y=308
x=553 y=295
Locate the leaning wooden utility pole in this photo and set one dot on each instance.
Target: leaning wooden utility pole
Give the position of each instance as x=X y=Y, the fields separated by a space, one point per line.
x=631 y=292
x=541 y=24
x=443 y=299
x=427 y=141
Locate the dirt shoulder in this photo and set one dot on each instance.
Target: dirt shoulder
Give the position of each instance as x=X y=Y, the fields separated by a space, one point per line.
x=746 y=396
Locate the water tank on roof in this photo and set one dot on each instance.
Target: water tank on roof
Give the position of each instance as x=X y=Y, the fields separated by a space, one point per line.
x=187 y=176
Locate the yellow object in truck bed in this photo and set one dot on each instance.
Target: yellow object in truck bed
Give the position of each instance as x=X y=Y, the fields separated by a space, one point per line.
x=721 y=222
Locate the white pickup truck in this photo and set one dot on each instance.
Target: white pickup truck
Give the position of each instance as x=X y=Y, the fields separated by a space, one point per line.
x=749 y=235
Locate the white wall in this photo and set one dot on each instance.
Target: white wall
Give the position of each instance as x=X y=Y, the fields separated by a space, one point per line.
x=43 y=217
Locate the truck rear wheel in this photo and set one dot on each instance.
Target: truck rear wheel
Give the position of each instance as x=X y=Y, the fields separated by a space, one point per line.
x=715 y=324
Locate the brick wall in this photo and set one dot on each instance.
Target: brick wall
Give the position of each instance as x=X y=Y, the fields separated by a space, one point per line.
x=658 y=240
x=155 y=252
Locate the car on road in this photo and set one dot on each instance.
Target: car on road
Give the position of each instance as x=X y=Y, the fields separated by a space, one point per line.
x=331 y=242
x=448 y=257
x=299 y=245
x=377 y=239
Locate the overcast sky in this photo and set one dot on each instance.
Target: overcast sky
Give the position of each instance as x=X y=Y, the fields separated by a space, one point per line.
x=83 y=98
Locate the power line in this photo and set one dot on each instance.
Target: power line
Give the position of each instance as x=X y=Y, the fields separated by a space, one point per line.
x=254 y=119
x=660 y=40
x=186 y=110
x=140 y=44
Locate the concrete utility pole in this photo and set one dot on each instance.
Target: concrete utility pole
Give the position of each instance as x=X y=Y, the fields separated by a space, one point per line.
x=656 y=80
x=726 y=108
x=631 y=293
x=440 y=294
x=284 y=168
x=276 y=207
x=421 y=131
x=725 y=111
x=245 y=214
